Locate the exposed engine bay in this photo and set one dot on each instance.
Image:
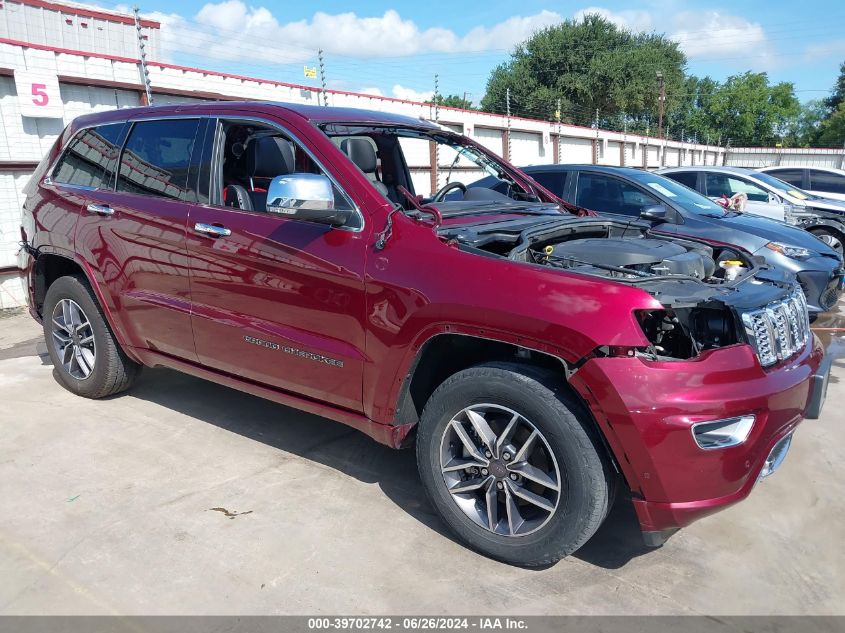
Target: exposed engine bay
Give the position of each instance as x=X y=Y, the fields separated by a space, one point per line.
x=626 y=257
x=703 y=291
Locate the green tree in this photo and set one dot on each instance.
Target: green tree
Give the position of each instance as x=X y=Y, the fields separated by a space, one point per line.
x=588 y=65
x=832 y=129
x=690 y=115
x=838 y=96
x=749 y=111
x=452 y=101
x=803 y=130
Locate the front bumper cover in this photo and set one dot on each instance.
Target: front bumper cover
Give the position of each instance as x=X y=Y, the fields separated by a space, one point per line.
x=646 y=410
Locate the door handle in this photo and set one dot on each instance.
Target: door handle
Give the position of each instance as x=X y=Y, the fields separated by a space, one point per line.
x=102 y=209
x=212 y=230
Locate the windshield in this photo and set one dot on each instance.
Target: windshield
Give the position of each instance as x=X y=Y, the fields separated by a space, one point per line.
x=680 y=195
x=785 y=187
x=374 y=150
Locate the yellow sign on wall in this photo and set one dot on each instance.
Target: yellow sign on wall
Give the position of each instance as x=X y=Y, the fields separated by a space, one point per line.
x=310 y=72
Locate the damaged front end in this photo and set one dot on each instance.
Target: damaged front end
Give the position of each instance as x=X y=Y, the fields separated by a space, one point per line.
x=710 y=297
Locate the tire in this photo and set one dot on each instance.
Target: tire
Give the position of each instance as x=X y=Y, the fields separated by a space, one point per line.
x=109 y=370
x=569 y=442
x=831 y=237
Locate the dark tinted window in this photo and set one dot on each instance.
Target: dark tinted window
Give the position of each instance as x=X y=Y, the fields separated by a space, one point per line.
x=90 y=158
x=688 y=178
x=554 y=181
x=827 y=181
x=157 y=158
x=610 y=195
x=794 y=177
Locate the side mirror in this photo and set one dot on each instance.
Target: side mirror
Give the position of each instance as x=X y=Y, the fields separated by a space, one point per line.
x=307 y=197
x=655 y=213
x=774 y=199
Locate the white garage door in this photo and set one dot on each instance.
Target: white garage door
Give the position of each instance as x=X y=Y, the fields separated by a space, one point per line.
x=527 y=148
x=491 y=139
x=11 y=202
x=576 y=150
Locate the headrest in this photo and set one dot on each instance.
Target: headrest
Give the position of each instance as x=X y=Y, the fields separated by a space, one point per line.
x=360 y=152
x=268 y=157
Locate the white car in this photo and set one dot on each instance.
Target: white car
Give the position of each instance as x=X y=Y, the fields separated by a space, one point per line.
x=827 y=182
x=768 y=197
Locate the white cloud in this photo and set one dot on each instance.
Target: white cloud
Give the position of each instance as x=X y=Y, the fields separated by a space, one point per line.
x=376 y=92
x=233 y=30
x=703 y=34
x=814 y=52
x=628 y=19
x=409 y=94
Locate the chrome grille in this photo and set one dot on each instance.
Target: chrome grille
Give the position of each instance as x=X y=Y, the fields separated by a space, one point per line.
x=779 y=330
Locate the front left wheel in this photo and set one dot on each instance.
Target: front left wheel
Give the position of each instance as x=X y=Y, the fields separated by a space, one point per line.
x=513 y=464
x=87 y=358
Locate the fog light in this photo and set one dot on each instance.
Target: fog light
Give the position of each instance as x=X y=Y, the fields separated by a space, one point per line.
x=722 y=433
x=776 y=457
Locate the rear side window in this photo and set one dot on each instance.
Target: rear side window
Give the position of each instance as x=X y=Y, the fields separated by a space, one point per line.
x=826 y=181
x=554 y=181
x=157 y=158
x=794 y=177
x=90 y=158
x=688 y=178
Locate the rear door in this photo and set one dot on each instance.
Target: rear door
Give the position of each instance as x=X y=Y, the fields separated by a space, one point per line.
x=277 y=301
x=827 y=184
x=133 y=233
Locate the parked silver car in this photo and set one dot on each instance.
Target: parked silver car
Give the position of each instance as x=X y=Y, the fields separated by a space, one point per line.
x=769 y=197
x=826 y=182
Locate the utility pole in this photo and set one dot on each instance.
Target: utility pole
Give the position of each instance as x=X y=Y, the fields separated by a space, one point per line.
x=661 y=100
x=597 y=141
x=142 y=58
x=508 y=108
x=557 y=116
x=624 y=139
x=437 y=120
x=323 y=76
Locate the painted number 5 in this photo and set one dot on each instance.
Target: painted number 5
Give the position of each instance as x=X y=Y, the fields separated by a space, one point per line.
x=39 y=94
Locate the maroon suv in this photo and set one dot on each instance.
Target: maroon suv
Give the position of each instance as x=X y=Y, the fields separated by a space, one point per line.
x=537 y=355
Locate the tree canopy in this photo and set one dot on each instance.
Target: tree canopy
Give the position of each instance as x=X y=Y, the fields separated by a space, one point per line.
x=452 y=101
x=599 y=72
x=588 y=65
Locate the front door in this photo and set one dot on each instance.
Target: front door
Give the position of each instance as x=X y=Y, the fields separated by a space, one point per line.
x=275 y=301
x=760 y=201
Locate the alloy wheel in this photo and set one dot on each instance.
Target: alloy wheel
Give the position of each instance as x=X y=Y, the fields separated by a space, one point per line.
x=500 y=470
x=73 y=339
x=831 y=240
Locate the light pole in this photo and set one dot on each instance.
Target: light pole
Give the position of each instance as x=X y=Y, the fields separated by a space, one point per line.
x=661 y=100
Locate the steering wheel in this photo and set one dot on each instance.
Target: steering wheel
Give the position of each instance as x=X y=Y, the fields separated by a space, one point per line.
x=441 y=194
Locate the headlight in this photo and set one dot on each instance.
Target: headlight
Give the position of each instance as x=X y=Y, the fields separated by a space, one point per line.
x=794 y=252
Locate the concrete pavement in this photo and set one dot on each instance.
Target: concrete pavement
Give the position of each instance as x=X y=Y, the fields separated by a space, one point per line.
x=184 y=497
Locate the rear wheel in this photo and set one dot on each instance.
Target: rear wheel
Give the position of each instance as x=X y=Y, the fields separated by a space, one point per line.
x=831 y=237
x=87 y=358
x=512 y=463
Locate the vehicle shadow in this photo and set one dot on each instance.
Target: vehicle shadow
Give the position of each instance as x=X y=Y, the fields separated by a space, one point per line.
x=345 y=450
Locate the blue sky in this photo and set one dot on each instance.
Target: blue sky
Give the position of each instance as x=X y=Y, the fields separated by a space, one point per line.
x=395 y=48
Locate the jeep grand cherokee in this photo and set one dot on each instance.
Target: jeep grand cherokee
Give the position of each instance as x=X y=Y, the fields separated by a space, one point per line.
x=538 y=356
